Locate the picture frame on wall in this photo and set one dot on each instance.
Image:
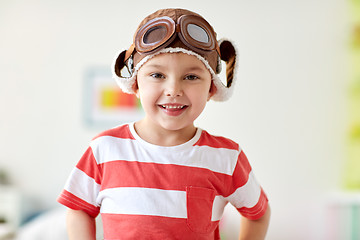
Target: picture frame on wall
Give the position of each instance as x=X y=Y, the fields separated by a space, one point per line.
x=105 y=105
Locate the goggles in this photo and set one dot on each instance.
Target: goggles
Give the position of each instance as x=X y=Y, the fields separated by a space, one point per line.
x=195 y=32
x=177 y=31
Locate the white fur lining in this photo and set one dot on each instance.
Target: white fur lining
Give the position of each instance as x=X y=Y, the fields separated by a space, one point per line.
x=223 y=93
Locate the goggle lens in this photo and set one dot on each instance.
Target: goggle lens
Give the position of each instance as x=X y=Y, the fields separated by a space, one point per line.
x=155 y=34
x=197 y=33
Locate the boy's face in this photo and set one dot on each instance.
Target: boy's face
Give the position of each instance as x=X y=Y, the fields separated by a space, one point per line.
x=173 y=89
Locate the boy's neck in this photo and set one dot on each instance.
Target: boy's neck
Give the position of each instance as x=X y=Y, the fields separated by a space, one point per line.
x=163 y=137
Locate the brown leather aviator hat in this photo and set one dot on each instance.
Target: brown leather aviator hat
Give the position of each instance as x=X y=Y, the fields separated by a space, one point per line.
x=174 y=31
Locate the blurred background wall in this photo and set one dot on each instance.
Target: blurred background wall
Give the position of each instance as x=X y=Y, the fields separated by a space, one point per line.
x=289 y=109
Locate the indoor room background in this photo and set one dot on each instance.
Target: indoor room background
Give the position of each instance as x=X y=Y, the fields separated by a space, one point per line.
x=295 y=108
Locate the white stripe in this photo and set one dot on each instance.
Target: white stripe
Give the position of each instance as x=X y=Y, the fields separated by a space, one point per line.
x=144 y=201
x=109 y=148
x=82 y=186
x=247 y=195
x=218 y=208
x=152 y=202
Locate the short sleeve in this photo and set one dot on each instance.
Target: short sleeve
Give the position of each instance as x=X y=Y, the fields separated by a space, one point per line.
x=246 y=194
x=83 y=186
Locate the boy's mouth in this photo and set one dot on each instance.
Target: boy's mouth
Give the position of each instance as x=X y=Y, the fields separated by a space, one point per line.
x=173 y=109
x=172 y=106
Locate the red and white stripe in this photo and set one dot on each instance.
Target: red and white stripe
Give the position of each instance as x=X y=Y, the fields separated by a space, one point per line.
x=123 y=179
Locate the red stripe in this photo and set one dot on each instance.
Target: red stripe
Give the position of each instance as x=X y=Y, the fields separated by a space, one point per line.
x=241 y=172
x=118 y=226
x=88 y=165
x=258 y=210
x=118 y=132
x=161 y=176
x=172 y=177
x=216 y=142
x=70 y=200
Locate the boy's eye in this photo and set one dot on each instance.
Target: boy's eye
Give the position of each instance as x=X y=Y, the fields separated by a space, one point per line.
x=191 y=77
x=157 y=75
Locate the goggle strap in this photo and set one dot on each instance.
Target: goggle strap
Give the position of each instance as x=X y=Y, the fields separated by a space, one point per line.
x=129 y=52
x=177 y=28
x=218 y=49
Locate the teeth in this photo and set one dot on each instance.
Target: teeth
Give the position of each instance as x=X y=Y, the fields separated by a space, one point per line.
x=172 y=107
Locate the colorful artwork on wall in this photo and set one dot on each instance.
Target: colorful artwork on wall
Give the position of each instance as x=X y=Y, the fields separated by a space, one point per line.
x=105 y=104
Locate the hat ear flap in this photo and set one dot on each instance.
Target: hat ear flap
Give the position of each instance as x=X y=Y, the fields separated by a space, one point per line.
x=228 y=54
x=119 y=65
x=122 y=68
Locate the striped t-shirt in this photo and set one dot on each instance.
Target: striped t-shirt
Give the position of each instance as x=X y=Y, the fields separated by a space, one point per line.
x=145 y=191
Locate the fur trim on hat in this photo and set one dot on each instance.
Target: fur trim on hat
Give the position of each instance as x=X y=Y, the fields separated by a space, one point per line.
x=126 y=84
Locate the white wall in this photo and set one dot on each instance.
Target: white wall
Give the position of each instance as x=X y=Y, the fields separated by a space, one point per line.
x=287 y=112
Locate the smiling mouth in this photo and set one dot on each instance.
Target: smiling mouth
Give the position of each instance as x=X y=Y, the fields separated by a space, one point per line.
x=173 y=110
x=173 y=107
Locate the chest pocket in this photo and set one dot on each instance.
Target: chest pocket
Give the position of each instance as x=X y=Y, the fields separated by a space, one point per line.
x=199 y=203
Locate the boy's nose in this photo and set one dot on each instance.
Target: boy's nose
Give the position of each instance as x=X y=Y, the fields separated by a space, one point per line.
x=174 y=89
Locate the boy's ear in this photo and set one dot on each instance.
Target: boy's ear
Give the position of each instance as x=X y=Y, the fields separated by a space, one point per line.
x=135 y=88
x=212 y=90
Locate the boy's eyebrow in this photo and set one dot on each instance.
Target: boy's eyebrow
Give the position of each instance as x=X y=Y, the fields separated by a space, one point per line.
x=154 y=65
x=190 y=68
x=196 y=68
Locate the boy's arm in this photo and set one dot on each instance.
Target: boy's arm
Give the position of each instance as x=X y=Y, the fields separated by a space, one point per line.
x=255 y=229
x=80 y=226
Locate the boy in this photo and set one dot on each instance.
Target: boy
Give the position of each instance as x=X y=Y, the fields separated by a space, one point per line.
x=161 y=177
